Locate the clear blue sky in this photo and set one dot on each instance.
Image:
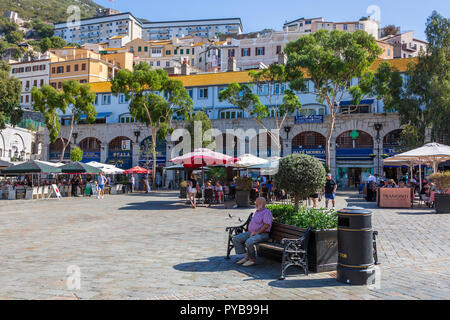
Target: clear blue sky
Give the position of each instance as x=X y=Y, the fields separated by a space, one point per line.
x=259 y=14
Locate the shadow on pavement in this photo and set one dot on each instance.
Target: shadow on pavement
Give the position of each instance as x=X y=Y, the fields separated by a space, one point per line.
x=305 y=282
x=417 y=213
x=265 y=269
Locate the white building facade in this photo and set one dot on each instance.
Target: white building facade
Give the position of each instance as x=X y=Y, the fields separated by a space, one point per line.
x=99 y=29
x=405 y=45
x=31 y=73
x=207 y=28
x=359 y=140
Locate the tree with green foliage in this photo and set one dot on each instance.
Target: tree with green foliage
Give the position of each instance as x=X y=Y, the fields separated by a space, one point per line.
x=43 y=29
x=51 y=43
x=14 y=37
x=206 y=138
x=300 y=175
x=280 y=102
x=10 y=89
x=153 y=99
x=74 y=99
x=331 y=60
x=424 y=103
x=76 y=155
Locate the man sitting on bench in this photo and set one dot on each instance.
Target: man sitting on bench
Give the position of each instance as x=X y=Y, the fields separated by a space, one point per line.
x=258 y=231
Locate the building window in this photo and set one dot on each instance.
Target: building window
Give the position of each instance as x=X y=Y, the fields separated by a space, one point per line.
x=203 y=93
x=41 y=82
x=260 y=51
x=345 y=27
x=122 y=99
x=175 y=52
x=139 y=49
x=75 y=67
x=168 y=52
x=246 y=52
x=83 y=81
x=187 y=51
x=191 y=93
x=53 y=70
x=68 y=68
x=230 y=53
x=167 y=64
x=181 y=51
x=145 y=49
x=35 y=83
x=59 y=85
x=83 y=67
x=278 y=49
x=106 y=99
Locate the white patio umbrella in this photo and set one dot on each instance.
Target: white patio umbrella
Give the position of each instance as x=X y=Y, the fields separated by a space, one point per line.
x=248 y=160
x=106 y=168
x=52 y=164
x=431 y=153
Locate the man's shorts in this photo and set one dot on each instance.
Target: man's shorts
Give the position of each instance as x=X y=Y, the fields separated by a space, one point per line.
x=101 y=187
x=330 y=196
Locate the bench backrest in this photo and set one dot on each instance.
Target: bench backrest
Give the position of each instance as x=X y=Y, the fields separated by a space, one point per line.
x=280 y=231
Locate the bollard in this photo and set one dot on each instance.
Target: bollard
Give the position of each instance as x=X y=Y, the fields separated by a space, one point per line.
x=355 y=246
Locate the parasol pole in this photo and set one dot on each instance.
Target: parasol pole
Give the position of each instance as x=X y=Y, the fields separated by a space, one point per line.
x=420 y=174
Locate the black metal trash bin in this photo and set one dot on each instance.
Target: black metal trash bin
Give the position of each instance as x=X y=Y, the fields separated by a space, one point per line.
x=355 y=246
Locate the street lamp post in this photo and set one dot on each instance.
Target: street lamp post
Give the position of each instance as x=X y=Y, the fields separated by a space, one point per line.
x=287 y=129
x=137 y=135
x=75 y=136
x=378 y=127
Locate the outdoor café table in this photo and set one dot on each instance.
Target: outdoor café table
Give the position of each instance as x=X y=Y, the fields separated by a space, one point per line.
x=394 y=197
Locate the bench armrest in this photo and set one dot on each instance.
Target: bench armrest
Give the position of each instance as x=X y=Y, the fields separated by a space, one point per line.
x=296 y=242
x=243 y=226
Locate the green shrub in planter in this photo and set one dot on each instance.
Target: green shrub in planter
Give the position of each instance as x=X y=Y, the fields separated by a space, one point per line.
x=442 y=180
x=300 y=175
x=319 y=219
x=243 y=183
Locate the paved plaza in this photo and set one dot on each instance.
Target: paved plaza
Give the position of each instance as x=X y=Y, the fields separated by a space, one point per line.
x=141 y=246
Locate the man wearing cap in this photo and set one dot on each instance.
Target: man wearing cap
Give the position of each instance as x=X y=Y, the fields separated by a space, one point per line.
x=330 y=191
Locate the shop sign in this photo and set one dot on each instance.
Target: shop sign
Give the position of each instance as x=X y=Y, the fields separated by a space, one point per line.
x=391 y=151
x=91 y=156
x=354 y=154
x=309 y=119
x=120 y=159
x=318 y=153
x=394 y=197
x=126 y=145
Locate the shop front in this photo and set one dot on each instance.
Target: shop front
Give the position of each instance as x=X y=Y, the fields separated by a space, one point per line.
x=146 y=158
x=354 y=159
x=310 y=143
x=91 y=149
x=120 y=153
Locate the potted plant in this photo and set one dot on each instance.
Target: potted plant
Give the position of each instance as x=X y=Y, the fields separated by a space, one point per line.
x=322 y=246
x=183 y=189
x=442 y=199
x=243 y=187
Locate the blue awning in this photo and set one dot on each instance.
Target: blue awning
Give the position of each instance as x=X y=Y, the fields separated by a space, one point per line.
x=100 y=115
x=363 y=102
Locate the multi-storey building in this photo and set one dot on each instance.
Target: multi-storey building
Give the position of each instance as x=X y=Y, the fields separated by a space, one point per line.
x=405 y=45
x=256 y=52
x=312 y=25
x=85 y=66
x=99 y=29
x=207 y=28
x=31 y=73
x=164 y=54
x=354 y=140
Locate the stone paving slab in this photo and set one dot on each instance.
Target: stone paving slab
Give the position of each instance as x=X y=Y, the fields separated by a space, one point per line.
x=154 y=247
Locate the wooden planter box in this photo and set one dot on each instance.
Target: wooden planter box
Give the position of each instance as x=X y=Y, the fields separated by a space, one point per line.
x=442 y=203
x=242 y=198
x=322 y=251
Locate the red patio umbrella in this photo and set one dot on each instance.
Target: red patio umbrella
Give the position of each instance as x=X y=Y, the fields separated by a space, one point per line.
x=137 y=170
x=203 y=157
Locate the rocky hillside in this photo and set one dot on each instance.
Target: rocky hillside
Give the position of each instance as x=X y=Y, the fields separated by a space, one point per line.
x=48 y=10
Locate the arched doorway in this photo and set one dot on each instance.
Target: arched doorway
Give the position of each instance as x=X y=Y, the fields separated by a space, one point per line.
x=120 y=152
x=354 y=158
x=391 y=143
x=91 y=149
x=264 y=146
x=228 y=144
x=55 y=150
x=311 y=143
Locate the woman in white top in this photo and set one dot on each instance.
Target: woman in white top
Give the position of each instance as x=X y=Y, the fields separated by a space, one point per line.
x=192 y=191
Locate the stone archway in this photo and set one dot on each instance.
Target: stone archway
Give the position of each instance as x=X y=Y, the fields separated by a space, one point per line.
x=91 y=149
x=55 y=150
x=120 y=152
x=311 y=143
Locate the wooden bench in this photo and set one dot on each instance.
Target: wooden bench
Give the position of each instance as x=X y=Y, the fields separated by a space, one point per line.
x=289 y=240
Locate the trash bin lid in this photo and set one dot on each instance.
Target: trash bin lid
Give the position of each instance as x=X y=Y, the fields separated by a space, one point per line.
x=354 y=210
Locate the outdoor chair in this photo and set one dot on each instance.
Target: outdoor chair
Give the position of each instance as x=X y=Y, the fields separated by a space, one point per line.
x=45 y=191
x=208 y=196
x=35 y=194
